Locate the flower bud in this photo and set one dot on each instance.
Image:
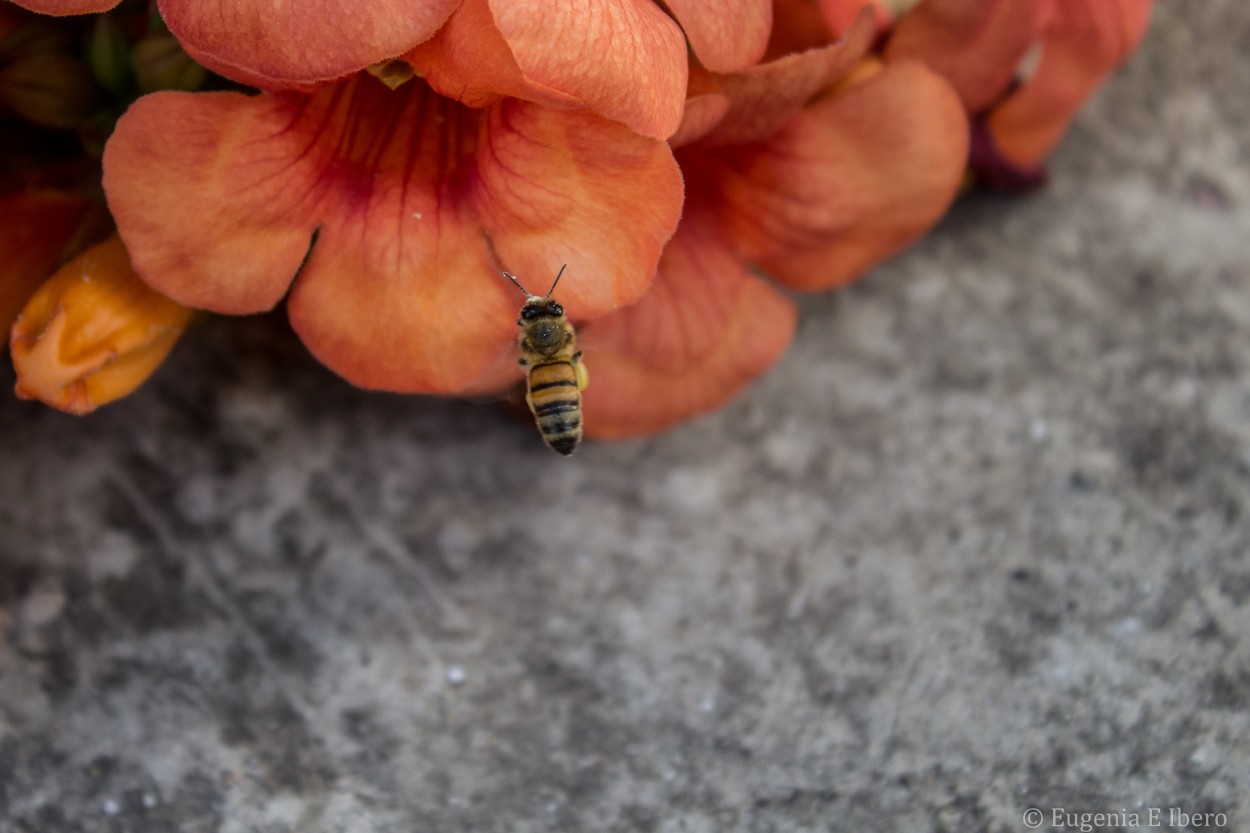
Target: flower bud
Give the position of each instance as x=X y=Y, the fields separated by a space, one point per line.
x=93 y=332
x=108 y=53
x=50 y=89
x=23 y=36
x=160 y=64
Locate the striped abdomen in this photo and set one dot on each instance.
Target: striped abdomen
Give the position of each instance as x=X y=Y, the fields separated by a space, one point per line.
x=556 y=401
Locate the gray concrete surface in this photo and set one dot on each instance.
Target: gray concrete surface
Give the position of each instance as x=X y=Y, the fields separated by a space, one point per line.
x=977 y=545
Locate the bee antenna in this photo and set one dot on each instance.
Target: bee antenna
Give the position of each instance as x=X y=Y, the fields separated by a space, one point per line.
x=512 y=278
x=556 y=281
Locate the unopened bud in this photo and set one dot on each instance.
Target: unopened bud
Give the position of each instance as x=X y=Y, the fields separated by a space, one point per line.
x=108 y=53
x=21 y=36
x=93 y=332
x=50 y=89
x=160 y=64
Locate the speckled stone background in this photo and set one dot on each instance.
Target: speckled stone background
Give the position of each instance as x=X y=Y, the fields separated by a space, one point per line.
x=978 y=544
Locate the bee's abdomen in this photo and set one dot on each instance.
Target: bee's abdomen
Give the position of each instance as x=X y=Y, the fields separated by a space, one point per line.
x=557 y=404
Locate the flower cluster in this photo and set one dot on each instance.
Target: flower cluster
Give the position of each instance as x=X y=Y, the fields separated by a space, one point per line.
x=376 y=164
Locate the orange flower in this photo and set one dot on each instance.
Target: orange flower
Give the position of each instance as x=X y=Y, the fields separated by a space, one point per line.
x=981 y=46
x=815 y=166
x=397 y=209
x=59 y=100
x=624 y=59
x=1080 y=47
x=93 y=332
x=1021 y=67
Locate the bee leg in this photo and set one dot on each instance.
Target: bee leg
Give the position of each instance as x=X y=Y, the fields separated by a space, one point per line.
x=582 y=376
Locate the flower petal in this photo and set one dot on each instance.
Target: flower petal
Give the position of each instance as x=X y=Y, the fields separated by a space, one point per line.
x=419 y=201
x=797 y=26
x=624 y=59
x=212 y=194
x=297 y=45
x=725 y=36
x=390 y=306
x=848 y=181
x=703 y=112
x=1080 y=48
x=975 y=44
x=38 y=225
x=704 y=331
x=468 y=60
x=557 y=187
x=62 y=8
x=762 y=97
x=547 y=188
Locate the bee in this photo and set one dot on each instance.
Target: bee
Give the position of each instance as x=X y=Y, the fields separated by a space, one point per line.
x=554 y=373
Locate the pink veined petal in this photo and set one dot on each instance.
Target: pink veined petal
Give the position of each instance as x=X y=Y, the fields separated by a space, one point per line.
x=212 y=193
x=544 y=188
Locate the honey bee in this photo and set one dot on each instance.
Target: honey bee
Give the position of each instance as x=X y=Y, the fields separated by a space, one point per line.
x=555 y=375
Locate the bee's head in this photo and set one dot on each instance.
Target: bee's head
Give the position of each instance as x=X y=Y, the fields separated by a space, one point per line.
x=543 y=320
x=537 y=307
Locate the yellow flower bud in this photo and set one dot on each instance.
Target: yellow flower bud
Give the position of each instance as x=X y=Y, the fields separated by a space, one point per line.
x=93 y=332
